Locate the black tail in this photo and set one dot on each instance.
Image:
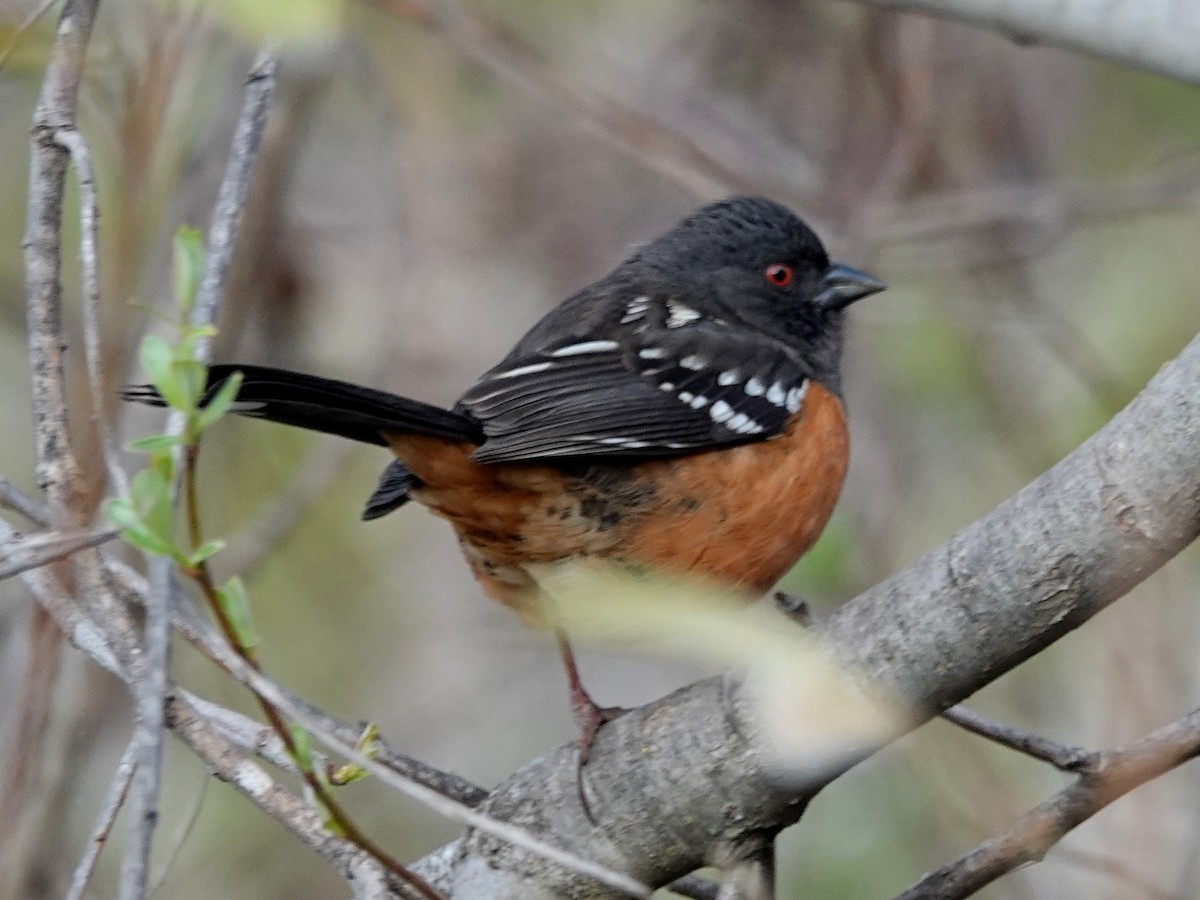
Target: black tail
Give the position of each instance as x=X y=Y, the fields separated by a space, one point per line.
x=322 y=404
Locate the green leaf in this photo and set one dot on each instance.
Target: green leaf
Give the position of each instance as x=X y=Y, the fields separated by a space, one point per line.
x=155 y=442
x=368 y=741
x=219 y=404
x=191 y=375
x=122 y=514
x=236 y=605
x=303 y=746
x=188 y=265
x=204 y=551
x=151 y=492
x=347 y=774
x=158 y=358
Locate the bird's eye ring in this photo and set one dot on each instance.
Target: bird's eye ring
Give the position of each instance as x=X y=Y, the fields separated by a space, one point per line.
x=779 y=275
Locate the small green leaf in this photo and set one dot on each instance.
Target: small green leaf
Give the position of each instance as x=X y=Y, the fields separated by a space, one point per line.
x=204 y=551
x=191 y=375
x=155 y=442
x=368 y=741
x=188 y=265
x=347 y=774
x=303 y=746
x=151 y=492
x=220 y=403
x=236 y=605
x=157 y=358
x=134 y=530
x=121 y=513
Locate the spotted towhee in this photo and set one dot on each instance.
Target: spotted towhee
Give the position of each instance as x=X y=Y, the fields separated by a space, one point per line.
x=682 y=413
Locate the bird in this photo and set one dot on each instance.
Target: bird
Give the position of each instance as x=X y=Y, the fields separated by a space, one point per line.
x=682 y=414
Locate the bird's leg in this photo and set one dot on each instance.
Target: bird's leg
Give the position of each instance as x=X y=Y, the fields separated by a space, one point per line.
x=589 y=715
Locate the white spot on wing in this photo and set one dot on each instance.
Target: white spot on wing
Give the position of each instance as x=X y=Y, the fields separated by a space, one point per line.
x=678 y=314
x=699 y=402
x=728 y=377
x=776 y=394
x=693 y=361
x=686 y=396
x=524 y=370
x=652 y=353
x=635 y=309
x=623 y=442
x=754 y=388
x=585 y=347
x=721 y=411
x=795 y=397
x=666 y=386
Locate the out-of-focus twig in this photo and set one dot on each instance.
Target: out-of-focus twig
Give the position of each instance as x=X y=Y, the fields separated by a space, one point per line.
x=35 y=16
x=17 y=500
x=81 y=157
x=282 y=514
x=30 y=551
x=1159 y=35
x=1061 y=756
x=1113 y=774
x=113 y=800
x=152 y=686
x=648 y=140
x=1042 y=212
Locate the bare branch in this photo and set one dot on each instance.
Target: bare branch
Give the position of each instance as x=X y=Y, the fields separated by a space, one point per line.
x=90 y=259
x=231 y=201
x=1061 y=756
x=1115 y=774
x=20 y=554
x=17 y=500
x=1159 y=35
x=113 y=801
x=57 y=470
x=152 y=685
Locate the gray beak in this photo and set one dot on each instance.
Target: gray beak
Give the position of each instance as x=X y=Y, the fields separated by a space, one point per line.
x=843 y=285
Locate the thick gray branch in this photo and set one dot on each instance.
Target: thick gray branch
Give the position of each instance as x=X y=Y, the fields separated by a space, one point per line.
x=670 y=779
x=1159 y=35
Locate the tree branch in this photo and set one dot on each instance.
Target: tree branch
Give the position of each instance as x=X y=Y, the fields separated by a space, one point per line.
x=1114 y=774
x=152 y=685
x=1159 y=35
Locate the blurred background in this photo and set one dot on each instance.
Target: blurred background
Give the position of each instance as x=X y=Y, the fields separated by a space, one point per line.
x=434 y=179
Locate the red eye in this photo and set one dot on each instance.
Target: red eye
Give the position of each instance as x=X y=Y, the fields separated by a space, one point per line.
x=779 y=275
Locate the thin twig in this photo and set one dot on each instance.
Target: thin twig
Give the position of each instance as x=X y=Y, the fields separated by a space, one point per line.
x=81 y=157
x=262 y=740
x=222 y=757
x=32 y=19
x=651 y=142
x=152 y=686
x=430 y=797
x=27 y=552
x=113 y=800
x=1114 y=774
x=1061 y=756
x=231 y=201
x=282 y=515
x=12 y=497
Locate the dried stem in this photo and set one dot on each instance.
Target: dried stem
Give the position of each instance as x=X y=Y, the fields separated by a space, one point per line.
x=114 y=799
x=1114 y=774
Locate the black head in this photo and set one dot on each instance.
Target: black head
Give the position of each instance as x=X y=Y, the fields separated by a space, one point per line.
x=770 y=270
